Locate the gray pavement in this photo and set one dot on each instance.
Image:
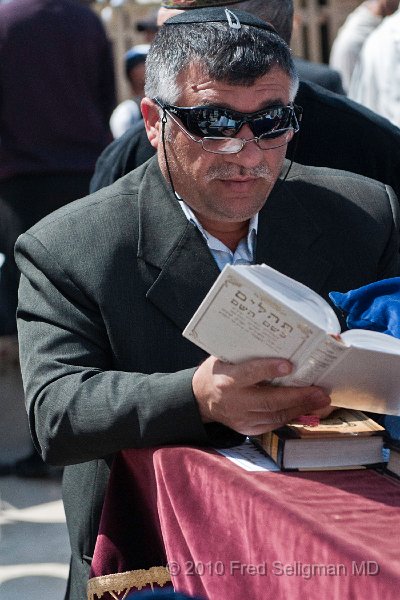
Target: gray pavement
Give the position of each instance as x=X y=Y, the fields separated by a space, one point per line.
x=34 y=547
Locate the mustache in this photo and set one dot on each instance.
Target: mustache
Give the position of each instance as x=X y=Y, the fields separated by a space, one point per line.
x=230 y=171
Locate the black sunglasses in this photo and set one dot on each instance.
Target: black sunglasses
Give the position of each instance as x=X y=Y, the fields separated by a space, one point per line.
x=216 y=121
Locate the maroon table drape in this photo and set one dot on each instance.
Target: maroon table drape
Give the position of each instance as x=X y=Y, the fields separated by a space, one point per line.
x=231 y=534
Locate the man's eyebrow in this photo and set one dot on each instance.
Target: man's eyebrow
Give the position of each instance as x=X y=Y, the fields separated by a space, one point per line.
x=275 y=103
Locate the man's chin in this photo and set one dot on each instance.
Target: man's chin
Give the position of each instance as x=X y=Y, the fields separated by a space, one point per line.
x=243 y=194
x=237 y=209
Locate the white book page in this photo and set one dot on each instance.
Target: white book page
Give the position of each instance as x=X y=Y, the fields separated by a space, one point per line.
x=367 y=380
x=298 y=296
x=374 y=340
x=333 y=452
x=247 y=457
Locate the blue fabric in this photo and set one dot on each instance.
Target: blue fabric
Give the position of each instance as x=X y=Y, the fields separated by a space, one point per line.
x=375 y=306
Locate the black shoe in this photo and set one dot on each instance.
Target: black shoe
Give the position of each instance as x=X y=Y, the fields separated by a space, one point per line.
x=33 y=466
x=7 y=469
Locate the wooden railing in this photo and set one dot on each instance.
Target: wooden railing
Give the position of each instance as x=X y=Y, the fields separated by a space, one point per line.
x=316 y=24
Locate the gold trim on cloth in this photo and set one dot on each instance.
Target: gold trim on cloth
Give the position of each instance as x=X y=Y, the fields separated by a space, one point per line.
x=122 y=583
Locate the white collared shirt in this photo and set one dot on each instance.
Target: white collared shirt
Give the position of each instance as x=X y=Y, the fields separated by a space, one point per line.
x=245 y=251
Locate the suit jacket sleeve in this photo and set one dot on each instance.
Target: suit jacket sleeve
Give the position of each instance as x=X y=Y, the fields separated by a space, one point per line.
x=80 y=408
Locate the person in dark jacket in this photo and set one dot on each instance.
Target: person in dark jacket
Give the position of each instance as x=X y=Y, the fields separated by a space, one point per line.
x=57 y=93
x=109 y=282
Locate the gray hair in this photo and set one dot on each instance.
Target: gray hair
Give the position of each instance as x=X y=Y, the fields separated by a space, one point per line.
x=277 y=12
x=236 y=56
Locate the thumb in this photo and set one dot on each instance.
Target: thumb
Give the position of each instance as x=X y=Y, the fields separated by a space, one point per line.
x=251 y=372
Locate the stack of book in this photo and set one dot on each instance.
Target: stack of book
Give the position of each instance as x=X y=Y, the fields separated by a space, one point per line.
x=346 y=439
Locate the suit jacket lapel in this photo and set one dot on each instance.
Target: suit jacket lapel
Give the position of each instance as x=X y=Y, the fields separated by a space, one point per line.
x=168 y=241
x=286 y=234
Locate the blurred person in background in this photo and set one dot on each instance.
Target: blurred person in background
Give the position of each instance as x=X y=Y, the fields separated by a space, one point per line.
x=376 y=78
x=57 y=93
x=148 y=27
x=128 y=112
x=320 y=74
x=355 y=30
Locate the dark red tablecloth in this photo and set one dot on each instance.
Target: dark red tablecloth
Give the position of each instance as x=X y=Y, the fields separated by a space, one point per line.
x=229 y=534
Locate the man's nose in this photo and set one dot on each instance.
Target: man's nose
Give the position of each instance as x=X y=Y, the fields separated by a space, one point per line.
x=250 y=155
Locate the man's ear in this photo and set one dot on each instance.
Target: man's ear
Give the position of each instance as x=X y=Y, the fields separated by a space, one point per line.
x=291 y=135
x=151 y=120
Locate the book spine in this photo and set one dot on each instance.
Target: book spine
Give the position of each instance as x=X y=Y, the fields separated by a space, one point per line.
x=273 y=446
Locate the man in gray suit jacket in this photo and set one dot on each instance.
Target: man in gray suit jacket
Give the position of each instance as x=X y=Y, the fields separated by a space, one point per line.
x=109 y=282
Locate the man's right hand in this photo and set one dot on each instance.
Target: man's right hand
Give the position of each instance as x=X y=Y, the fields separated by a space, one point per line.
x=240 y=397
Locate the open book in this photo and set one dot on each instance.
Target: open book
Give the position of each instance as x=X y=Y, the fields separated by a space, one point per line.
x=255 y=311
